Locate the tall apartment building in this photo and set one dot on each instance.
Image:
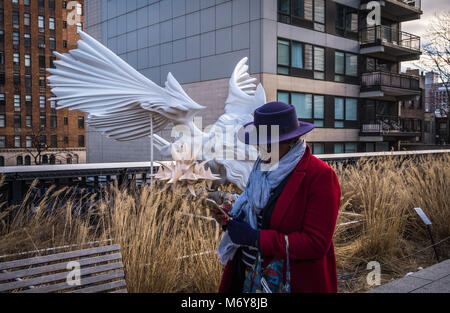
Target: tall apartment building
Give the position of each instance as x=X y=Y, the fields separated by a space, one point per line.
x=32 y=131
x=319 y=55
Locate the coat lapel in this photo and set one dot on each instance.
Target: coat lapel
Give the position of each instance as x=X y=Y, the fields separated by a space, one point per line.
x=289 y=192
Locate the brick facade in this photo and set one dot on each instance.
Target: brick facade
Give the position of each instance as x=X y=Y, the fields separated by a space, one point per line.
x=32 y=80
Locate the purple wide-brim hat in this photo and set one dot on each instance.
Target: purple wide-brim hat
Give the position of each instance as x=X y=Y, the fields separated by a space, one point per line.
x=274 y=113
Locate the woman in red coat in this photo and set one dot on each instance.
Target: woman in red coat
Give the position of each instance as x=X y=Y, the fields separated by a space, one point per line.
x=306 y=209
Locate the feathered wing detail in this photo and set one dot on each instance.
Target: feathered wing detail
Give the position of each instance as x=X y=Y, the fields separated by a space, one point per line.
x=118 y=99
x=244 y=97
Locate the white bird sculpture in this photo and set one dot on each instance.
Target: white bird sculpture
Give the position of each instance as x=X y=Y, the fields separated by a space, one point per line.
x=126 y=105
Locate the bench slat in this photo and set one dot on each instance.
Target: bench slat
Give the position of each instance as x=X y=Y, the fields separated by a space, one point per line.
x=84 y=282
x=57 y=257
x=58 y=266
x=99 y=288
x=58 y=276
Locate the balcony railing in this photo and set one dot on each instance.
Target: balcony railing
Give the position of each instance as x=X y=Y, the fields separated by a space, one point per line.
x=386 y=124
x=382 y=33
x=380 y=79
x=413 y=3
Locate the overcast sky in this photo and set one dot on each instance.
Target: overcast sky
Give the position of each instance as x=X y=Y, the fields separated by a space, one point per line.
x=419 y=27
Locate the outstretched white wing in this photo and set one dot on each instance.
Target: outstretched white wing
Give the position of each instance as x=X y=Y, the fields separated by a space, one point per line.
x=243 y=99
x=118 y=99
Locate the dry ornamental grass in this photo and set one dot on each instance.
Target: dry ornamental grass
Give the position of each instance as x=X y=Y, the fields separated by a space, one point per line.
x=165 y=250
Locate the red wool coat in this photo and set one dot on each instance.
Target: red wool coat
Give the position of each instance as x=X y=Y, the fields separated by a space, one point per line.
x=307 y=211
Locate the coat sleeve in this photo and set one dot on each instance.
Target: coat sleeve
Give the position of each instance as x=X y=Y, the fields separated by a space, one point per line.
x=314 y=240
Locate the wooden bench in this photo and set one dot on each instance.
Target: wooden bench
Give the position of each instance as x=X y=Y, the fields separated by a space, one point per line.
x=100 y=270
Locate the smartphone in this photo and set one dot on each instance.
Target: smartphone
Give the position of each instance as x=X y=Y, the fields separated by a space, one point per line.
x=216 y=206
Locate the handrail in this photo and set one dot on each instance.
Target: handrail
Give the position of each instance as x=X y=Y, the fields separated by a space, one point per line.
x=374 y=34
x=389 y=80
x=412 y=3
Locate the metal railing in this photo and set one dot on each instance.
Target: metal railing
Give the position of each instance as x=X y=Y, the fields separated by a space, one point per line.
x=378 y=79
x=382 y=33
x=385 y=124
x=413 y=3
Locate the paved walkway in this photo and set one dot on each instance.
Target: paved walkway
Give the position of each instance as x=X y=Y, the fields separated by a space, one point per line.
x=434 y=279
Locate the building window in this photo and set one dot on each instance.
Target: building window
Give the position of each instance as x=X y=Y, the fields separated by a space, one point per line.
x=338 y=148
x=42 y=101
x=81 y=122
x=53 y=121
x=317 y=148
x=28 y=81
x=345 y=64
x=52 y=43
x=347 y=21
x=45 y=159
x=43 y=140
x=52 y=104
x=15 y=19
x=54 y=141
x=66 y=121
x=19 y=160
x=16 y=79
x=16 y=38
x=2 y=161
x=81 y=141
x=42 y=82
x=27 y=40
x=26 y=19
x=79 y=27
x=51 y=23
x=28 y=121
x=64 y=43
x=27 y=160
x=304 y=13
x=26 y=2
x=41 y=42
x=51 y=4
x=17 y=121
x=17 y=142
x=52 y=159
x=2 y=120
x=2 y=141
x=27 y=60
x=66 y=140
x=299 y=59
x=43 y=120
x=42 y=61
x=52 y=62
x=64 y=4
x=28 y=142
x=41 y=22
x=308 y=107
x=319 y=63
x=64 y=24
x=2 y=57
x=345 y=109
x=16 y=59
x=16 y=102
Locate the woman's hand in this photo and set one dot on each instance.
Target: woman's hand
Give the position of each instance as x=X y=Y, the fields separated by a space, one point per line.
x=241 y=233
x=221 y=213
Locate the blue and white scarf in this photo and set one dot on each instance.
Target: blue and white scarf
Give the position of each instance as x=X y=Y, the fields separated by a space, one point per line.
x=257 y=193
